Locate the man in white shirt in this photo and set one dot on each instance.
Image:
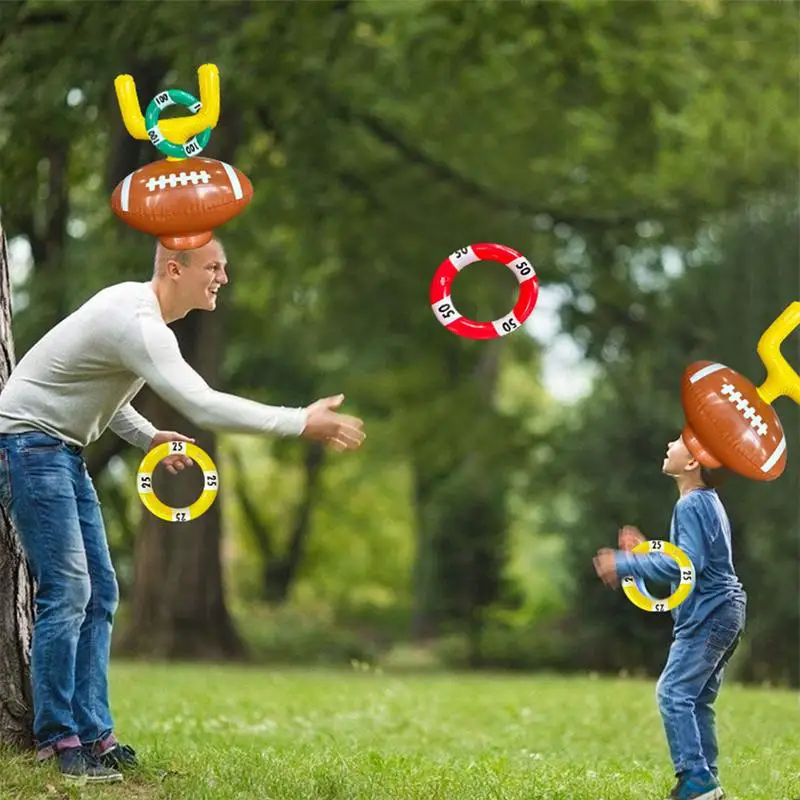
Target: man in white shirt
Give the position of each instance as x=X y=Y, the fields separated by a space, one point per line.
x=78 y=380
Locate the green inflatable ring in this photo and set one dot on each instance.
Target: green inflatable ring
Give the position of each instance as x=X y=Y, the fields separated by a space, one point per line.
x=163 y=100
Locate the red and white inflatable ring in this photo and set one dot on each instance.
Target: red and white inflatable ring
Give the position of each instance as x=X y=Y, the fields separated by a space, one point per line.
x=448 y=315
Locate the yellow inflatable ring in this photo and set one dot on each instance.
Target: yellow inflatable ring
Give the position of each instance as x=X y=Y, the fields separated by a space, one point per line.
x=144 y=481
x=642 y=598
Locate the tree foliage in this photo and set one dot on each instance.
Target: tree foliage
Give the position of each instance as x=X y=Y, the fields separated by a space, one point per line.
x=381 y=136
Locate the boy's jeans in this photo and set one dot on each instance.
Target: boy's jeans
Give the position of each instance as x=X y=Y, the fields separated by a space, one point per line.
x=689 y=685
x=47 y=492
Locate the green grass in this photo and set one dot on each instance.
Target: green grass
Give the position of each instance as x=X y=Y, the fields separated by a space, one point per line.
x=231 y=733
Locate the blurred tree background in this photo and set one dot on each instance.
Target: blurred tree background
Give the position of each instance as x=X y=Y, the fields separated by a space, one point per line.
x=643 y=155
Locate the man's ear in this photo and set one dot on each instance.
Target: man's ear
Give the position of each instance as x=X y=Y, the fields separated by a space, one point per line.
x=173 y=268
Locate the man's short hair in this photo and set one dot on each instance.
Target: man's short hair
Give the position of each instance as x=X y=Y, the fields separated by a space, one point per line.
x=164 y=254
x=182 y=257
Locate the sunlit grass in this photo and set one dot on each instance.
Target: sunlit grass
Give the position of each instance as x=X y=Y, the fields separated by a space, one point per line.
x=235 y=732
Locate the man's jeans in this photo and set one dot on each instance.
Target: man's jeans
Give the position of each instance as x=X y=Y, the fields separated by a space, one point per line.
x=689 y=685
x=46 y=490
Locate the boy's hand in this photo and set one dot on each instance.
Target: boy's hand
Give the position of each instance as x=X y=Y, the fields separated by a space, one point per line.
x=606 y=568
x=629 y=537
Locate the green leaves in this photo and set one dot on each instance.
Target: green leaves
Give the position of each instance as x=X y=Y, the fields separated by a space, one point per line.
x=382 y=136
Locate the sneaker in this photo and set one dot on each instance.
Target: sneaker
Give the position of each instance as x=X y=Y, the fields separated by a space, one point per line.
x=78 y=765
x=118 y=756
x=695 y=788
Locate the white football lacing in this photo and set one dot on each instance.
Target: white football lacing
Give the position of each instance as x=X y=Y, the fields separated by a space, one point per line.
x=173 y=179
x=735 y=396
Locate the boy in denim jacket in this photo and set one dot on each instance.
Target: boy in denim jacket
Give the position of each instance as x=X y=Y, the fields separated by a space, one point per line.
x=708 y=625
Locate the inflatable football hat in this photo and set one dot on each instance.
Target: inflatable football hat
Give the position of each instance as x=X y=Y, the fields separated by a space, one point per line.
x=731 y=423
x=182 y=198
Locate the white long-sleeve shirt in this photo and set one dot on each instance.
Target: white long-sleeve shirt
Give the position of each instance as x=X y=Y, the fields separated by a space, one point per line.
x=80 y=378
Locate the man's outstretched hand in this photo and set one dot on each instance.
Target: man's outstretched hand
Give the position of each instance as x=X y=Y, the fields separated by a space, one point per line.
x=179 y=461
x=324 y=424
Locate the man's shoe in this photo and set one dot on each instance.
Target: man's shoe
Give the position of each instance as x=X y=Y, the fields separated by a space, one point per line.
x=116 y=756
x=695 y=788
x=78 y=765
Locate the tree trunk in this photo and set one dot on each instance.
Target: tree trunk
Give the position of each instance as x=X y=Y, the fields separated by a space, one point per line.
x=178 y=601
x=425 y=615
x=16 y=581
x=280 y=569
x=428 y=612
x=281 y=572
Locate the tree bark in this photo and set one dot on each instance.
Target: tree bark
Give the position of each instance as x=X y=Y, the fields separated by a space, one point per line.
x=178 y=600
x=16 y=581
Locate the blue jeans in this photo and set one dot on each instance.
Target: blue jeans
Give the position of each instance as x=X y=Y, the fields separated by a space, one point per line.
x=690 y=683
x=49 y=496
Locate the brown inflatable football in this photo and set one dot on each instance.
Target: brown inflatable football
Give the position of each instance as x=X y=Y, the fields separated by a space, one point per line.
x=182 y=202
x=728 y=424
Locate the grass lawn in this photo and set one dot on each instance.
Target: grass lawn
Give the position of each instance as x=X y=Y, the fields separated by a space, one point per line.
x=237 y=732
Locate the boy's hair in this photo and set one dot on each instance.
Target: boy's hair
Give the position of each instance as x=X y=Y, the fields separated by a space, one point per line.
x=713 y=478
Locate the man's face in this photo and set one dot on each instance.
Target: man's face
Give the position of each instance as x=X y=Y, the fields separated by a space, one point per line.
x=679 y=460
x=202 y=278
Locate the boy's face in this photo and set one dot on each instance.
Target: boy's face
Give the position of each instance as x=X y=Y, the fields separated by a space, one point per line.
x=679 y=460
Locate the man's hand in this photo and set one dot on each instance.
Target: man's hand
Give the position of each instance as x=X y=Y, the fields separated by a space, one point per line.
x=179 y=461
x=340 y=431
x=629 y=537
x=606 y=568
